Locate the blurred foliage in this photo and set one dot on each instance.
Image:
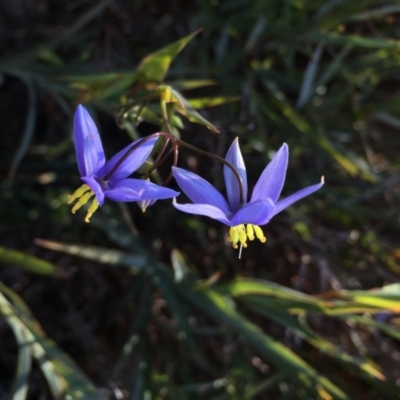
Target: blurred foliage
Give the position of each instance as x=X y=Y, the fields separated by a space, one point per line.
x=311 y=314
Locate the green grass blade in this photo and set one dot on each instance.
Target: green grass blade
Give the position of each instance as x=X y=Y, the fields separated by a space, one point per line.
x=100 y=254
x=26 y=262
x=387 y=119
x=181 y=270
x=220 y=308
x=30 y=122
x=308 y=85
x=245 y=287
x=19 y=389
x=356 y=41
x=163 y=384
x=154 y=67
x=348 y=162
x=62 y=374
x=255 y=33
x=203 y=102
x=300 y=328
x=189 y=84
x=167 y=286
x=335 y=66
x=389 y=330
x=372 y=14
x=256 y=390
x=189 y=111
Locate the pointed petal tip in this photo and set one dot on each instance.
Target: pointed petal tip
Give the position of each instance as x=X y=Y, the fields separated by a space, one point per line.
x=81 y=109
x=177 y=170
x=88 y=147
x=236 y=178
x=285 y=147
x=272 y=179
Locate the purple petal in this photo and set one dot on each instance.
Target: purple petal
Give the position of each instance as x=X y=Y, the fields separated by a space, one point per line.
x=257 y=213
x=199 y=190
x=96 y=188
x=271 y=181
x=132 y=162
x=282 y=204
x=203 y=209
x=234 y=156
x=88 y=147
x=137 y=189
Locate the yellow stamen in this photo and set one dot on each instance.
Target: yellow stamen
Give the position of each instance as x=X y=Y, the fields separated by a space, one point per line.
x=234 y=237
x=240 y=234
x=93 y=207
x=78 y=193
x=83 y=194
x=250 y=231
x=82 y=201
x=260 y=234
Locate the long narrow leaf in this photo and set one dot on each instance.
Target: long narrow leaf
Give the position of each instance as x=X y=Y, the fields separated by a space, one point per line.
x=305 y=333
x=276 y=353
x=30 y=122
x=154 y=67
x=26 y=262
x=62 y=374
x=308 y=85
x=100 y=254
x=19 y=389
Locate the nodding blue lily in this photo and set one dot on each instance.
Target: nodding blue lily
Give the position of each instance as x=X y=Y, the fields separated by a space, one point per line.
x=243 y=217
x=110 y=179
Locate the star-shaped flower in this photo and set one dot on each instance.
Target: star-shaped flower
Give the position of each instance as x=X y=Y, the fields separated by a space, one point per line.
x=244 y=217
x=110 y=179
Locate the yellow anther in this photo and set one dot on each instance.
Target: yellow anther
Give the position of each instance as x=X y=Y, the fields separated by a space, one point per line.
x=82 y=201
x=83 y=194
x=250 y=231
x=78 y=193
x=93 y=207
x=234 y=237
x=260 y=234
x=240 y=234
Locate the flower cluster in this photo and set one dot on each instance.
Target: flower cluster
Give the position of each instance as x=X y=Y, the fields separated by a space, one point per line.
x=110 y=179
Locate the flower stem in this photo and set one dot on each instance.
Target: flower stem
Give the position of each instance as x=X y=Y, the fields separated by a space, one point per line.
x=159 y=159
x=165 y=115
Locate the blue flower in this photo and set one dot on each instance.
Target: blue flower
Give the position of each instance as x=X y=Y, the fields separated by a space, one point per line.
x=110 y=179
x=244 y=217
